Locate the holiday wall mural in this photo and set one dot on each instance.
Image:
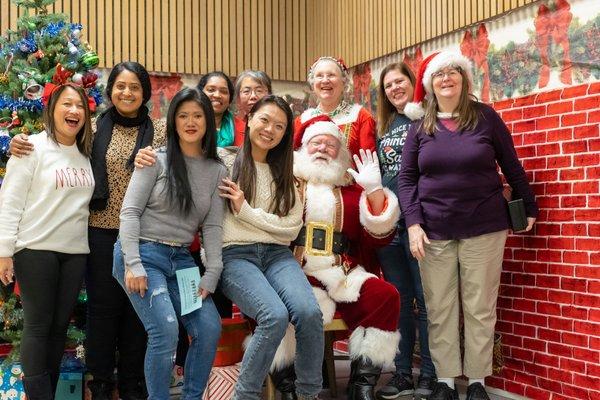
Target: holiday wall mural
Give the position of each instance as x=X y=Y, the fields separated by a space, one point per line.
x=545 y=46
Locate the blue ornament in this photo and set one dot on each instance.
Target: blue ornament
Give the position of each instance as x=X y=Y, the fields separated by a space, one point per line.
x=27 y=45
x=96 y=95
x=53 y=29
x=4 y=144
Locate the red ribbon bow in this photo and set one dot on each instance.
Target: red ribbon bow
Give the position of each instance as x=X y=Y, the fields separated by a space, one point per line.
x=50 y=87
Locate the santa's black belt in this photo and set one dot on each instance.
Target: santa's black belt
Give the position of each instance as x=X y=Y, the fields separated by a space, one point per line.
x=340 y=243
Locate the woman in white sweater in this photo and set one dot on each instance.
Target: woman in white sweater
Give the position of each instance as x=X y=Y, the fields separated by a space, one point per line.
x=43 y=233
x=260 y=274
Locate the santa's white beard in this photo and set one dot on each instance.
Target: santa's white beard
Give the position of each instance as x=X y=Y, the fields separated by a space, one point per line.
x=331 y=172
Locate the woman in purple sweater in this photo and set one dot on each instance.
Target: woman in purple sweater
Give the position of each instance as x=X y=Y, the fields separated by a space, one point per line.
x=451 y=196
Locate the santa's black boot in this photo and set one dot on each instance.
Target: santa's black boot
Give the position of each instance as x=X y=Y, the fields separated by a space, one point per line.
x=284 y=380
x=363 y=378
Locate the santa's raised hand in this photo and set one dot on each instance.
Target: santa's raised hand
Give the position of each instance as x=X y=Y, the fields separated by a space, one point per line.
x=368 y=176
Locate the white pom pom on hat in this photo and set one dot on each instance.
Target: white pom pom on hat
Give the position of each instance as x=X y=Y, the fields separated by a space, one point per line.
x=430 y=65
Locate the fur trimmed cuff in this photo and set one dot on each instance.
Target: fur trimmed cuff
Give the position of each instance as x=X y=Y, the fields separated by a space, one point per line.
x=383 y=224
x=326 y=305
x=286 y=352
x=378 y=346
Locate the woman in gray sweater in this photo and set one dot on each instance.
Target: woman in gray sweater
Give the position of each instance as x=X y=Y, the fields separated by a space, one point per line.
x=165 y=205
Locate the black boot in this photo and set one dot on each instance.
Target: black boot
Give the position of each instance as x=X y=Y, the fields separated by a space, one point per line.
x=101 y=389
x=133 y=390
x=284 y=380
x=38 y=387
x=363 y=378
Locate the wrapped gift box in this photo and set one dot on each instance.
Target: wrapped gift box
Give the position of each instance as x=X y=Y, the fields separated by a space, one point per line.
x=221 y=382
x=11 y=386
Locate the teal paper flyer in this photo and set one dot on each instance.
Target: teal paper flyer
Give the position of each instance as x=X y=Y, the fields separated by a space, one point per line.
x=188 y=281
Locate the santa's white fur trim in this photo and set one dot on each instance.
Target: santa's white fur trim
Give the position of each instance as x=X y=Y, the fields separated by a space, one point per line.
x=341 y=288
x=414 y=111
x=320 y=203
x=325 y=303
x=375 y=344
x=286 y=352
x=384 y=223
x=443 y=60
x=322 y=128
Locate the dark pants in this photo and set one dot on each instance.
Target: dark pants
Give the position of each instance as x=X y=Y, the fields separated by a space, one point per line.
x=112 y=323
x=401 y=269
x=49 y=282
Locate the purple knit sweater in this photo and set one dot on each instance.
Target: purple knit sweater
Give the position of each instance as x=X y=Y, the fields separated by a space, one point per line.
x=449 y=181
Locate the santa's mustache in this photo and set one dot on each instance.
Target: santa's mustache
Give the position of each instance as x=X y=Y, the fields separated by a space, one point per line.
x=321 y=157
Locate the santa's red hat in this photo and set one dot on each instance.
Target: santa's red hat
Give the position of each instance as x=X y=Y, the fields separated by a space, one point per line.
x=319 y=125
x=430 y=65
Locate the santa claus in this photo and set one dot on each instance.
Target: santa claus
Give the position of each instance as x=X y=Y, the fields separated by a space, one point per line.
x=344 y=209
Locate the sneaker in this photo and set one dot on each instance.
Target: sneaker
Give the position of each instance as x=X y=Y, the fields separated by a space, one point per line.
x=442 y=391
x=398 y=385
x=425 y=386
x=476 y=391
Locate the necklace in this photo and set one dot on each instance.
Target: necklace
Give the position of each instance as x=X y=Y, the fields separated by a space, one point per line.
x=341 y=108
x=446 y=115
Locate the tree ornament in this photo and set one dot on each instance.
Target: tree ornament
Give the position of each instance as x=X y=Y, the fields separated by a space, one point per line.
x=76 y=33
x=72 y=48
x=89 y=59
x=3 y=79
x=77 y=78
x=39 y=54
x=24 y=130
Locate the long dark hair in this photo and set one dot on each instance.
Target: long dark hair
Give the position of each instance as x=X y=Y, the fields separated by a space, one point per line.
x=280 y=160
x=84 y=137
x=220 y=74
x=139 y=71
x=178 y=186
x=386 y=112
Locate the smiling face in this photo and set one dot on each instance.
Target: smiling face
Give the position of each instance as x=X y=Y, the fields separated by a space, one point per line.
x=266 y=127
x=127 y=94
x=251 y=91
x=447 y=83
x=398 y=89
x=328 y=83
x=217 y=91
x=190 y=124
x=68 y=116
x=323 y=148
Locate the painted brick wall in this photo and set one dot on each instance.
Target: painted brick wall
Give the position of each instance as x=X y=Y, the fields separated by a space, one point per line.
x=549 y=303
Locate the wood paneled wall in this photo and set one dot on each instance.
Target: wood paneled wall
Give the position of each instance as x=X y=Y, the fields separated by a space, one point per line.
x=282 y=37
x=362 y=30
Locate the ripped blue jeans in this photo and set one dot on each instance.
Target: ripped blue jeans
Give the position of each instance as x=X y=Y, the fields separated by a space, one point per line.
x=159 y=310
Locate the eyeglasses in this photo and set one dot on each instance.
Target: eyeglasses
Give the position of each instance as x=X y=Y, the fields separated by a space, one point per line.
x=450 y=73
x=258 y=91
x=329 y=145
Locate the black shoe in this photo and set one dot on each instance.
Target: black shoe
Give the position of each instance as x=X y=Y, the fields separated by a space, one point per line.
x=363 y=378
x=398 y=385
x=133 y=390
x=38 y=387
x=425 y=386
x=101 y=389
x=476 y=391
x=441 y=391
x=285 y=381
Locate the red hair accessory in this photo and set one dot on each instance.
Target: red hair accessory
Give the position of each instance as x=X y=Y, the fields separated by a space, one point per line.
x=338 y=60
x=50 y=88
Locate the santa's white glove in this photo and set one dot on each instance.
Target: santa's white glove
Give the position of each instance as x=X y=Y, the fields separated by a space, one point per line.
x=368 y=176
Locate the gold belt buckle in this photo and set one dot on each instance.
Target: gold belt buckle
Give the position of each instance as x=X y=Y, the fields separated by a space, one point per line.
x=308 y=243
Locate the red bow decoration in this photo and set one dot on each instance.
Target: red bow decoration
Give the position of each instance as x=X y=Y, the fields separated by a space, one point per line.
x=50 y=88
x=414 y=60
x=553 y=26
x=89 y=80
x=476 y=48
x=300 y=132
x=61 y=75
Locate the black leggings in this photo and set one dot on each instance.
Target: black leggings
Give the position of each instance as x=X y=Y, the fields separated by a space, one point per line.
x=49 y=283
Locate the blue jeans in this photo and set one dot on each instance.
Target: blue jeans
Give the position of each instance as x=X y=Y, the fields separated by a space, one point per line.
x=268 y=285
x=159 y=310
x=401 y=269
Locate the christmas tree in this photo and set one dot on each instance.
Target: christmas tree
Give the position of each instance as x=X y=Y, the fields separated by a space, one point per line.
x=44 y=49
